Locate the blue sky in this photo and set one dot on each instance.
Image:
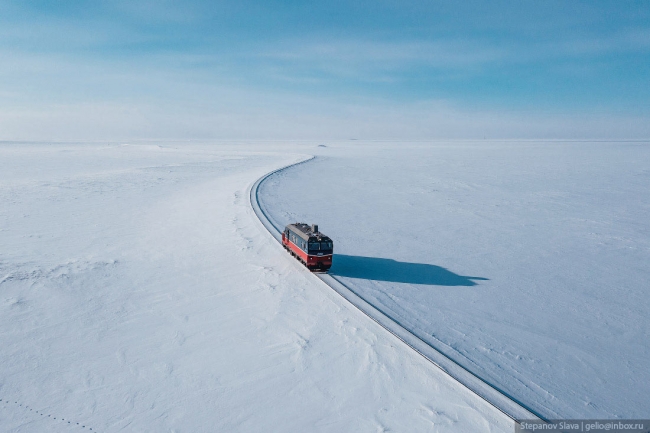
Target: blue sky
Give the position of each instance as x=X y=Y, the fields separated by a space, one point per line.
x=324 y=70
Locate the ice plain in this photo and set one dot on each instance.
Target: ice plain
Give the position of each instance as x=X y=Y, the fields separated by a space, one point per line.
x=526 y=262
x=138 y=292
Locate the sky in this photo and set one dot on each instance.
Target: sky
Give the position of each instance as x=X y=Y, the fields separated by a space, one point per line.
x=276 y=70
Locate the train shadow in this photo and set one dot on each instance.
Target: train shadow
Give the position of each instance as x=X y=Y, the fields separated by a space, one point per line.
x=378 y=269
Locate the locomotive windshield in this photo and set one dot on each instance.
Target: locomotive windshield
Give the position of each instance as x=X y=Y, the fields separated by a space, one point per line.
x=320 y=246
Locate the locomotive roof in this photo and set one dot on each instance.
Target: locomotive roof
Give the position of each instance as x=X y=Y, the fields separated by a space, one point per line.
x=305 y=231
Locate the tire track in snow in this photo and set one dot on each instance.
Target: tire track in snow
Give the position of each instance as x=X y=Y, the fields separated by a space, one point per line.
x=495 y=396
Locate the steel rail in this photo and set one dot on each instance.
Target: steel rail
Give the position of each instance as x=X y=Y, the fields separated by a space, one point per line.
x=489 y=392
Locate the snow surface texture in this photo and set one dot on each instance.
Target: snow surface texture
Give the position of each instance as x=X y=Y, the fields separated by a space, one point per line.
x=527 y=263
x=139 y=292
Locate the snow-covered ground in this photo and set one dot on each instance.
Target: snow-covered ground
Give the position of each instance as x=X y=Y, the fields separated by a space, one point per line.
x=138 y=292
x=526 y=262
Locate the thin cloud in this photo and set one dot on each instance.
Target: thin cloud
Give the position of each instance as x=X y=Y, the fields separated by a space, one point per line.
x=240 y=114
x=138 y=69
x=392 y=54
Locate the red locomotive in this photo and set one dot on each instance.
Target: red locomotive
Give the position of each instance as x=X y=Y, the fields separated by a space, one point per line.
x=308 y=245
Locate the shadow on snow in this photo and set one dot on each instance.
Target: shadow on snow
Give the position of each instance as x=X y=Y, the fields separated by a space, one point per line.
x=378 y=269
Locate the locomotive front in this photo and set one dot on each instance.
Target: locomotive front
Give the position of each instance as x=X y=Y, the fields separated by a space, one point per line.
x=307 y=244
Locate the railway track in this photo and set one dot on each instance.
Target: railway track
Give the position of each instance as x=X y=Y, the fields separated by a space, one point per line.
x=492 y=394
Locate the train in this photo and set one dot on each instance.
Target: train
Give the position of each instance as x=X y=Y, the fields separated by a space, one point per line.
x=307 y=244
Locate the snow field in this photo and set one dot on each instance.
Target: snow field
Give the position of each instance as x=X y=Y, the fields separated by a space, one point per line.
x=526 y=262
x=138 y=292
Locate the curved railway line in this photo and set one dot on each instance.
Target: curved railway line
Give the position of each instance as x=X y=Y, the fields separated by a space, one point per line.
x=498 y=398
